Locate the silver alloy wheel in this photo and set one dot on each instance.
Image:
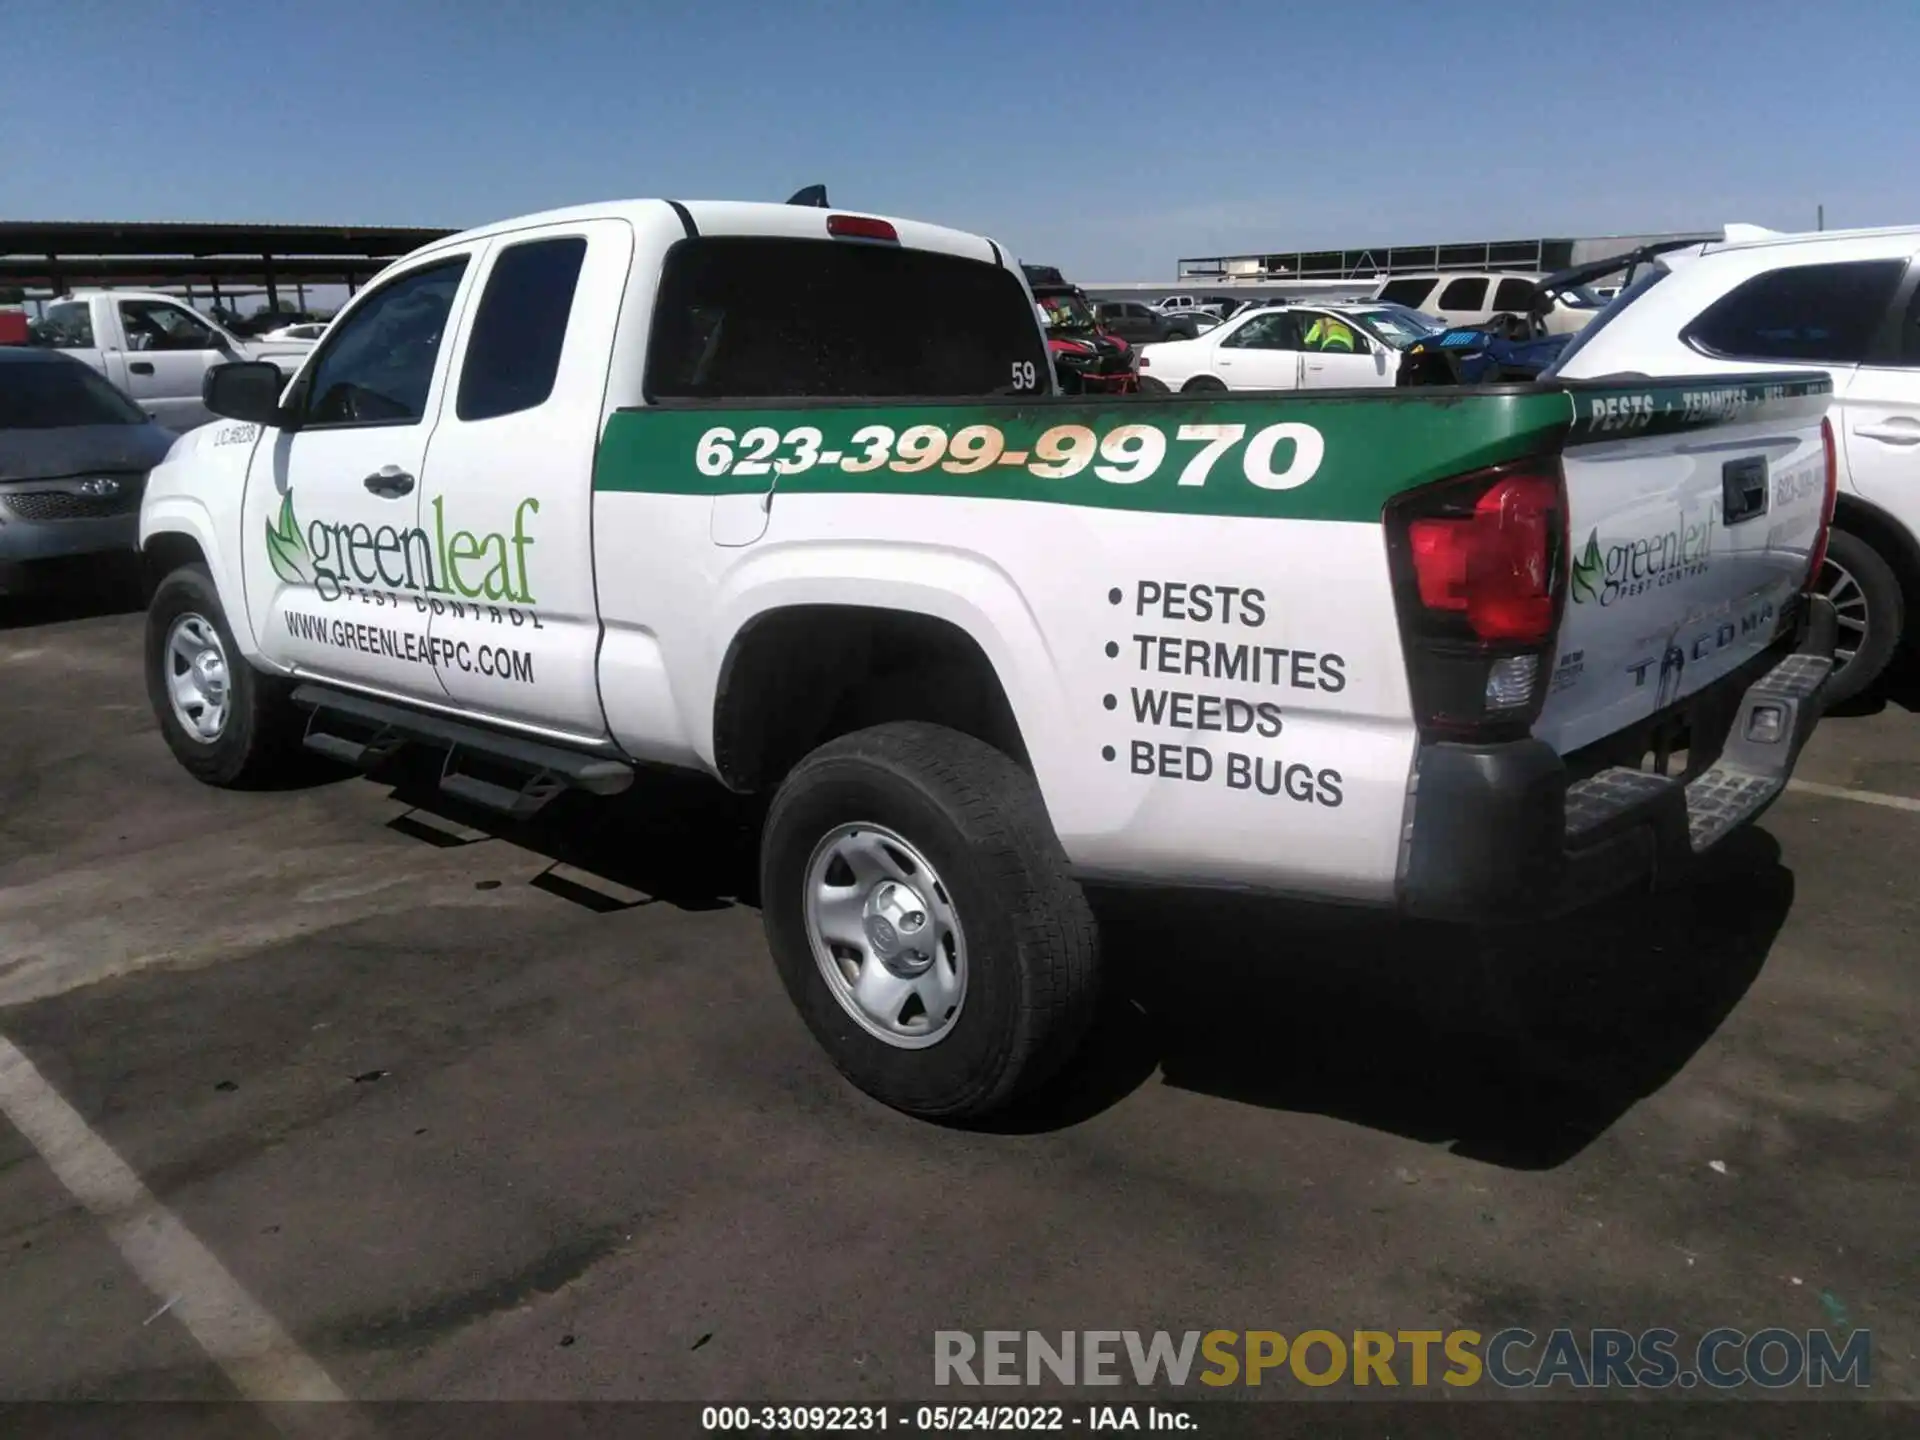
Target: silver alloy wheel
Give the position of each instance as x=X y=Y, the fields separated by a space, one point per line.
x=198 y=682
x=885 y=935
x=1850 y=606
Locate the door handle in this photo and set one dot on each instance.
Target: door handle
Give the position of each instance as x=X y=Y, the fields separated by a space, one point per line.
x=389 y=482
x=141 y=367
x=1894 y=433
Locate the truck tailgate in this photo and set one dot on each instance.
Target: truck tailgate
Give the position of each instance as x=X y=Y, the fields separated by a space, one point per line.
x=1694 y=507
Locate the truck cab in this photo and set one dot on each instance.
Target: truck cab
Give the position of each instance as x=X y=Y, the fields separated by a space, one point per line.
x=154 y=347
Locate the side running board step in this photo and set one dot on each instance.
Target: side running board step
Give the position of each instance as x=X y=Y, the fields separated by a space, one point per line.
x=538 y=770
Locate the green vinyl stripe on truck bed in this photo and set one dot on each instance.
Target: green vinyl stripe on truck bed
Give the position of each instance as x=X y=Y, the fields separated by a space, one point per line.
x=1617 y=410
x=1260 y=456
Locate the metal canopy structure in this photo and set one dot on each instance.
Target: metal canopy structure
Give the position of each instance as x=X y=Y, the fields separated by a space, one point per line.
x=59 y=255
x=1541 y=255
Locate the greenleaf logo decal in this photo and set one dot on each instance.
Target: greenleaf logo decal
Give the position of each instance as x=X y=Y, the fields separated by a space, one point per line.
x=287 y=547
x=1588 y=571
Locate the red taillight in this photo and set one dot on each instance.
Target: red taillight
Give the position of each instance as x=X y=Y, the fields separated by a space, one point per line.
x=1479 y=580
x=1826 y=513
x=1494 y=566
x=861 y=227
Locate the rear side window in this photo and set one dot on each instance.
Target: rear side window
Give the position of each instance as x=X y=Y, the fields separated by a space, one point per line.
x=513 y=353
x=1514 y=295
x=770 y=317
x=1825 y=313
x=68 y=326
x=1410 y=293
x=1464 y=295
x=1910 y=333
x=1277 y=331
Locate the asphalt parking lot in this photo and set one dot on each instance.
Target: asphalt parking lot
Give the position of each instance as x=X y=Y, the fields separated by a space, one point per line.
x=525 y=1114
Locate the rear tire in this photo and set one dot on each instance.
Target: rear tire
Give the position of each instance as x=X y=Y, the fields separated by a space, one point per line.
x=922 y=917
x=1871 y=609
x=226 y=723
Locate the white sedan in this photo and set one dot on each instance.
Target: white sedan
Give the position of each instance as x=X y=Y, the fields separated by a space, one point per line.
x=1285 y=347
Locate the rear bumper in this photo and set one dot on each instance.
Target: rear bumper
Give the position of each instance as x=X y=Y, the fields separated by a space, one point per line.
x=1501 y=832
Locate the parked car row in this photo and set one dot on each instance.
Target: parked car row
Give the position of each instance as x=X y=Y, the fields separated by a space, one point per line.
x=1843 y=303
x=92 y=396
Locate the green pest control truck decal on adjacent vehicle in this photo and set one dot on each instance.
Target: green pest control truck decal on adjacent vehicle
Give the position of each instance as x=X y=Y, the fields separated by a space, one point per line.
x=488 y=566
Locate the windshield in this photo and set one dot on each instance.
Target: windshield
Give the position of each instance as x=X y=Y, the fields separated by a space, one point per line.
x=1643 y=282
x=1398 y=328
x=1066 y=313
x=56 y=396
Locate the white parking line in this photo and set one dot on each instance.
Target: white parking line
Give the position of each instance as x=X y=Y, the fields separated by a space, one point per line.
x=1863 y=797
x=238 y=1335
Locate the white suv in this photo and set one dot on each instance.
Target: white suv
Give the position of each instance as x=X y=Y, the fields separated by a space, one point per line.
x=1474 y=297
x=1843 y=301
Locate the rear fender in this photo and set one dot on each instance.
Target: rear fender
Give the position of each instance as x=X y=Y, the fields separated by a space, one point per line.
x=962 y=588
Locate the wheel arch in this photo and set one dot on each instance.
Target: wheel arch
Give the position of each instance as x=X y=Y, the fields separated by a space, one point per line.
x=810 y=657
x=1893 y=541
x=178 y=530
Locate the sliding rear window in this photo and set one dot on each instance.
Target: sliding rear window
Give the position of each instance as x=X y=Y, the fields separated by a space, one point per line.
x=752 y=317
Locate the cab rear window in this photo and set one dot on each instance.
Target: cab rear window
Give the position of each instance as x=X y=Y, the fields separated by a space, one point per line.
x=751 y=317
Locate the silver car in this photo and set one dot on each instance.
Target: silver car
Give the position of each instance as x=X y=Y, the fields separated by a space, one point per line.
x=74 y=457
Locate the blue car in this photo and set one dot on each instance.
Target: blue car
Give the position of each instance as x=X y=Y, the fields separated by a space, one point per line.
x=74 y=457
x=1478 y=355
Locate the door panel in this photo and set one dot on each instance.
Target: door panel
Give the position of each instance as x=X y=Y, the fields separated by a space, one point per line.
x=1262 y=354
x=169 y=350
x=1335 y=355
x=509 y=478
x=340 y=585
x=1877 y=420
x=1332 y=370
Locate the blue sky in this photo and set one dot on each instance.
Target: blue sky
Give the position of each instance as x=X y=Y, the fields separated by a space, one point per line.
x=1109 y=139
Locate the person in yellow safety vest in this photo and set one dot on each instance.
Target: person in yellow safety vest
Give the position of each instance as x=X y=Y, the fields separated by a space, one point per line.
x=1327 y=333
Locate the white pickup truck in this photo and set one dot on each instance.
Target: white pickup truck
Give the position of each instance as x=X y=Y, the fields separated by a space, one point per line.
x=655 y=482
x=155 y=348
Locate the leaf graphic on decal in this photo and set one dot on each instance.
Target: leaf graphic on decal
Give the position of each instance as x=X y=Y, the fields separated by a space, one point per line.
x=1588 y=570
x=287 y=547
